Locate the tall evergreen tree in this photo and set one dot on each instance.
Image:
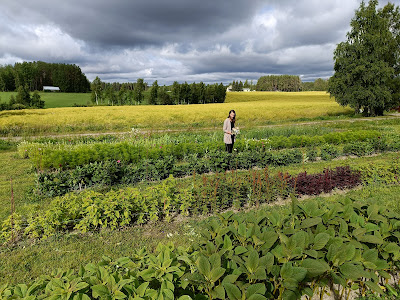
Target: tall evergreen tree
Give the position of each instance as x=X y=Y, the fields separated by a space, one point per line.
x=23 y=97
x=176 y=90
x=164 y=97
x=153 y=93
x=139 y=88
x=122 y=95
x=36 y=101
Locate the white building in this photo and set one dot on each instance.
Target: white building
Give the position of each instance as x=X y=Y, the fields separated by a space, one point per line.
x=51 y=88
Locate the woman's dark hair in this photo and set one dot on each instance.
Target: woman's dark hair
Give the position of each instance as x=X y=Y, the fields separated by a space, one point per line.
x=234 y=118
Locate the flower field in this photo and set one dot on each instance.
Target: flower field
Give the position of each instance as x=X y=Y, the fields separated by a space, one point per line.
x=295 y=211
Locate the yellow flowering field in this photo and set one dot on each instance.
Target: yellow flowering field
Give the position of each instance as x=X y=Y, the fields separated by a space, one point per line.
x=269 y=107
x=277 y=96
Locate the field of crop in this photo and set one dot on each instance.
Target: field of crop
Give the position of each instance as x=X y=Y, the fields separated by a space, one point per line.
x=295 y=210
x=232 y=97
x=279 y=108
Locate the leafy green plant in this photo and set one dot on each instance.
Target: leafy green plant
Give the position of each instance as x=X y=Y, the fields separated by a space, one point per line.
x=358 y=148
x=307 y=249
x=329 y=152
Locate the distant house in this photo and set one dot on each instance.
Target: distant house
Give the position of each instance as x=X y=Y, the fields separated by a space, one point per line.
x=51 y=88
x=229 y=89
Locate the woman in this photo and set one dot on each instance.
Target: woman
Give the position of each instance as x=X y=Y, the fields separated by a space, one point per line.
x=229 y=137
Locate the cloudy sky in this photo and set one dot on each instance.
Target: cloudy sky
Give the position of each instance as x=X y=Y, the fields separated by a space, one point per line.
x=183 y=40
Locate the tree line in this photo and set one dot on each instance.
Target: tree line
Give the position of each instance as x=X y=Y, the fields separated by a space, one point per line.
x=134 y=93
x=34 y=75
x=238 y=86
x=283 y=83
x=318 y=85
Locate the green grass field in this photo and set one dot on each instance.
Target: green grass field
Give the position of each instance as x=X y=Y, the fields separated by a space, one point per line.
x=55 y=99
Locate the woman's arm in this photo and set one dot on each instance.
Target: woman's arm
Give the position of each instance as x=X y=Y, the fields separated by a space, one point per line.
x=226 y=127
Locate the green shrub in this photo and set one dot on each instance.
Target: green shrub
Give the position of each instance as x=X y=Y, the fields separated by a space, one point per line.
x=358 y=148
x=312 y=154
x=381 y=174
x=329 y=152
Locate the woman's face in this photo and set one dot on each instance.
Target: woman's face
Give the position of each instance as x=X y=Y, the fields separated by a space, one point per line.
x=232 y=115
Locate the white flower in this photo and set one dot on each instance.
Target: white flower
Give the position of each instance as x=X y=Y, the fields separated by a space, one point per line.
x=236 y=130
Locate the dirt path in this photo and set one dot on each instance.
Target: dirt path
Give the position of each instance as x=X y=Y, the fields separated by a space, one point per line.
x=146 y=131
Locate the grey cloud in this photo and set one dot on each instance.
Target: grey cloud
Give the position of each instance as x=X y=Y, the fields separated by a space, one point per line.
x=183 y=40
x=140 y=23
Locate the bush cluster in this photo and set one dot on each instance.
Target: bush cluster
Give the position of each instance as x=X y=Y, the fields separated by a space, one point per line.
x=314 y=184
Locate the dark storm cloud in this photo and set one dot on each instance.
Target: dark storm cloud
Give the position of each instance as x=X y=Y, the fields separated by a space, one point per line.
x=183 y=40
x=125 y=23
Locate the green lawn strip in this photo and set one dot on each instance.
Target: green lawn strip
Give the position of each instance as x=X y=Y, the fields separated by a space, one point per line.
x=65 y=99
x=55 y=99
x=22 y=181
x=30 y=259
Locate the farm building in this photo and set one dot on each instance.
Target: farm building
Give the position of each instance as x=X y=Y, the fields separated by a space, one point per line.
x=51 y=88
x=229 y=89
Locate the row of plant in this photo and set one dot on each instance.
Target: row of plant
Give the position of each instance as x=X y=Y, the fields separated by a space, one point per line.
x=46 y=156
x=309 y=249
x=160 y=138
x=91 y=210
x=109 y=173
